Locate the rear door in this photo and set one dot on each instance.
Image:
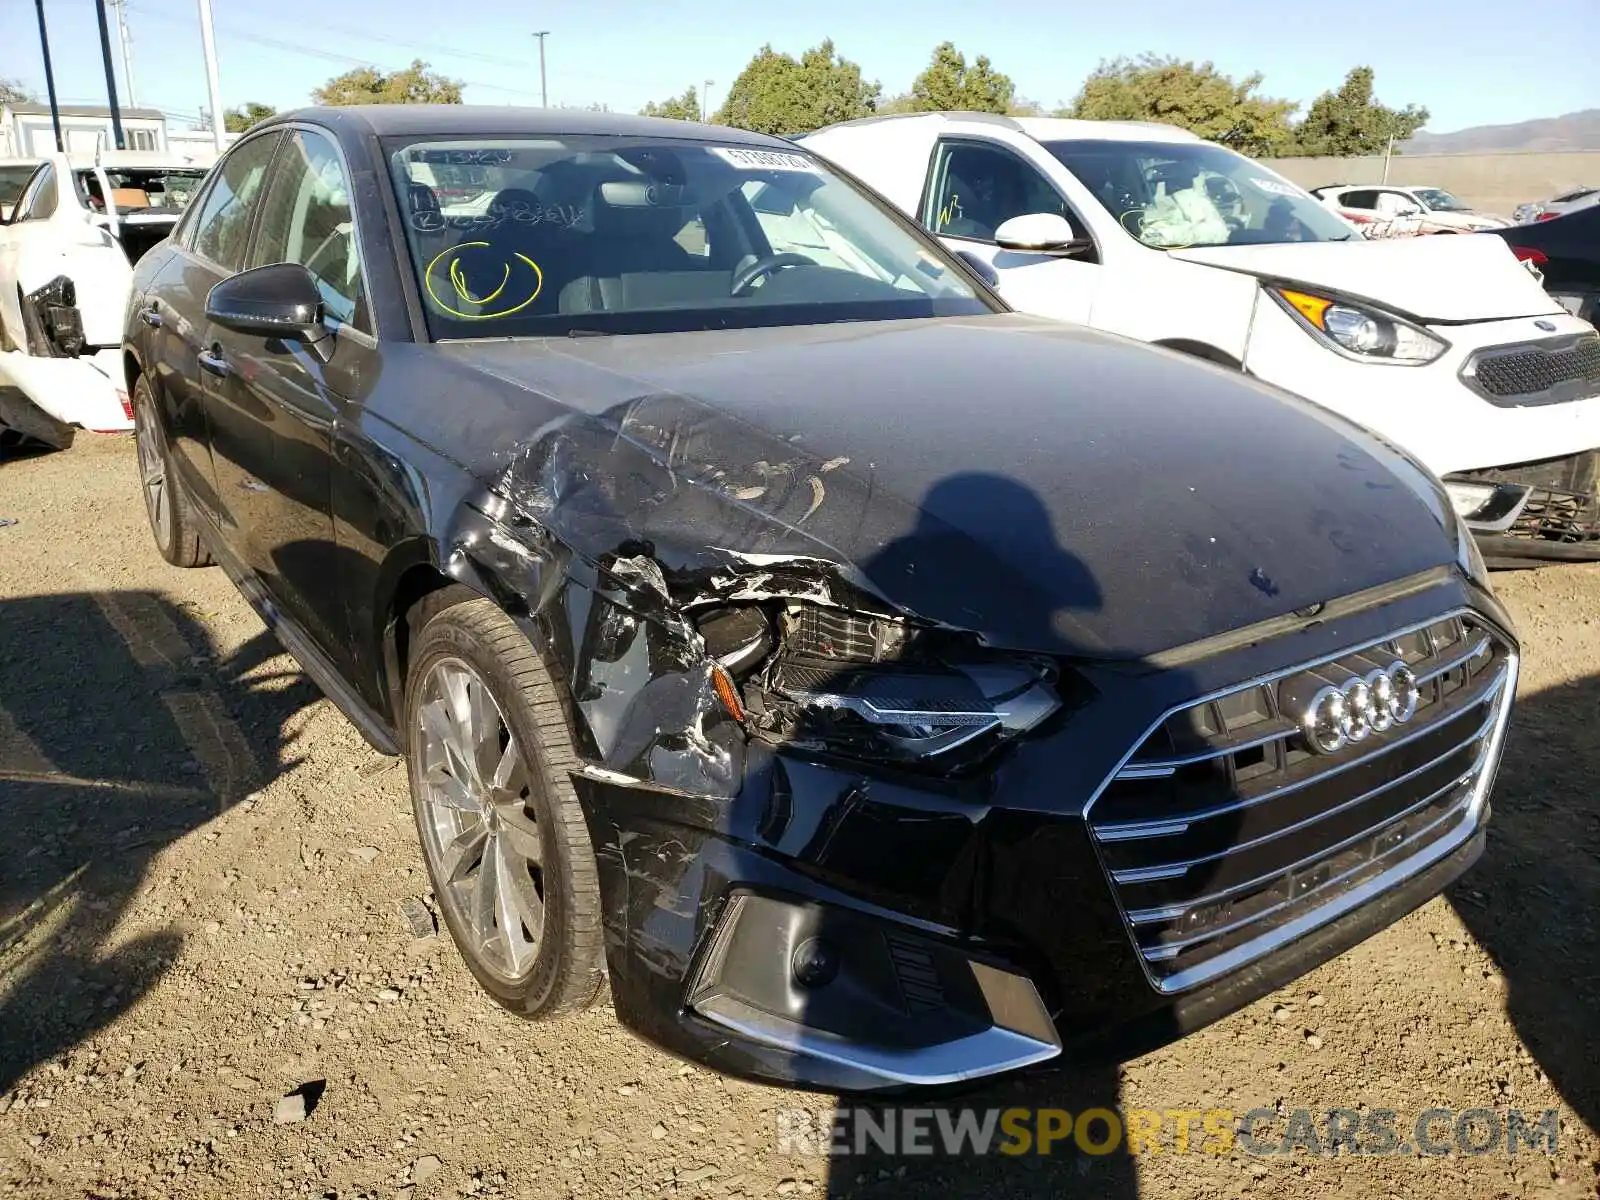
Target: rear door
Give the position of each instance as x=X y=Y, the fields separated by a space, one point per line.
x=23 y=243
x=974 y=187
x=211 y=245
x=272 y=404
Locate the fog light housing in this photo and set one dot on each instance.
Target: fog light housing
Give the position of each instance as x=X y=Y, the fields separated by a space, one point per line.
x=1486 y=506
x=861 y=1004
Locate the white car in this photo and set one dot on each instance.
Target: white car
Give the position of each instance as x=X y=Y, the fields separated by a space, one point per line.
x=67 y=251
x=1430 y=209
x=1570 y=200
x=1446 y=345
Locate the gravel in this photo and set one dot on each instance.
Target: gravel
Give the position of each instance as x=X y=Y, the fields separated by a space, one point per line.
x=191 y=926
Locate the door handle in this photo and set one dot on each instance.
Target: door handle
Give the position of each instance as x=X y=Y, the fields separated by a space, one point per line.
x=151 y=317
x=212 y=360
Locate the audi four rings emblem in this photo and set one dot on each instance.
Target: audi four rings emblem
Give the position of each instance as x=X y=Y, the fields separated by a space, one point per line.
x=1366 y=704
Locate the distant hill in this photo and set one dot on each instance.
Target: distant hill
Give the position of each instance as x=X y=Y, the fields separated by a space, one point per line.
x=1575 y=131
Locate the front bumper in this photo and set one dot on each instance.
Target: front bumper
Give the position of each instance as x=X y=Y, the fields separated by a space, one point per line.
x=981 y=925
x=1533 y=511
x=1430 y=410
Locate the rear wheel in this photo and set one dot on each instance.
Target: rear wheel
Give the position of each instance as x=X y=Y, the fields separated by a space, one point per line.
x=489 y=755
x=172 y=520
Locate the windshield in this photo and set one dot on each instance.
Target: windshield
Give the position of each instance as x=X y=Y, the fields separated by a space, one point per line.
x=1172 y=195
x=1438 y=199
x=11 y=181
x=161 y=190
x=532 y=236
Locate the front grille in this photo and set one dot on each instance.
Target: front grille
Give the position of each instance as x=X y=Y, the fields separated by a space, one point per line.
x=1538 y=372
x=1227 y=832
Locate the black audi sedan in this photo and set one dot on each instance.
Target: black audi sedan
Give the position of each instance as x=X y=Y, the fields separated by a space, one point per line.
x=863 y=685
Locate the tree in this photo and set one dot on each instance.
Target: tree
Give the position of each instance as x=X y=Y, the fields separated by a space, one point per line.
x=368 y=85
x=1198 y=98
x=950 y=85
x=12 y=92
x=247 y=115
x=1350 y=121
x=679 y=108
x=776 y=94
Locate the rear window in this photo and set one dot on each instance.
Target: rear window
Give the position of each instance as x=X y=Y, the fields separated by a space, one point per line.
x=157 y=190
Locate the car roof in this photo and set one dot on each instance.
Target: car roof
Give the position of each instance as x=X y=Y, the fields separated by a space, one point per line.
x=1042 y=129
x=113 y=160
x=495 y=120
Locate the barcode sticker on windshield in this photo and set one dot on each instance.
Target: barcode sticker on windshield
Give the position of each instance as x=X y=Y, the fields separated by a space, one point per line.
x=1278 y=188
x=764 y=160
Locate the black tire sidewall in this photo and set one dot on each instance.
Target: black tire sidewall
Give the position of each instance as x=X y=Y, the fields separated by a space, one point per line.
x=144 y=413
x=447 y=637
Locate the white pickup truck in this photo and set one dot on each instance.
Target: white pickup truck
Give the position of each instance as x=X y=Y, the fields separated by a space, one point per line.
x=1446 y=345
x=67 y=251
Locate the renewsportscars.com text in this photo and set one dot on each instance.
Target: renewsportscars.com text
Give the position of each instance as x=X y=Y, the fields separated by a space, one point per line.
x=955 y=1132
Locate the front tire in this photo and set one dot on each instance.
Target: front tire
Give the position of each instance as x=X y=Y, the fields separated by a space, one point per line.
x=173 y=523
x=489 y=755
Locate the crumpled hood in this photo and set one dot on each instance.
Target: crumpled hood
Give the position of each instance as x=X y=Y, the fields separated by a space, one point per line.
x=1438 y=277
x=1045 y=486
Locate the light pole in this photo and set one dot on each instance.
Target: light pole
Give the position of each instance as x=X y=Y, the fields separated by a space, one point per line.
x=705 y=104
x=49 y=81
x=208 y=45
x=127 y=48
x=544 y=93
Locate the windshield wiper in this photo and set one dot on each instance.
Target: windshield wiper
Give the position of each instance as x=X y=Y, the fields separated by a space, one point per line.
x=578 y=333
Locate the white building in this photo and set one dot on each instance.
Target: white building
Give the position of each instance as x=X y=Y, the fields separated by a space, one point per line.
x=26 y=131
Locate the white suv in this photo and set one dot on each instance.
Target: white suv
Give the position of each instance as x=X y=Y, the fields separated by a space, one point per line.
x=1446 y=345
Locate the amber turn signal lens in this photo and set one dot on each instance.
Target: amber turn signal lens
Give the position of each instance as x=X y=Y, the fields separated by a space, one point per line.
x=727 y=693
x=1310 y=307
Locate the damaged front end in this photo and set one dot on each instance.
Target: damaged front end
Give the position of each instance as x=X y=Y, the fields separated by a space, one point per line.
x=1547 y=510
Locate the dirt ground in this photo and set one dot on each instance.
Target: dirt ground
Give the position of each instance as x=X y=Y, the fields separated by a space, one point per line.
x=200 y=912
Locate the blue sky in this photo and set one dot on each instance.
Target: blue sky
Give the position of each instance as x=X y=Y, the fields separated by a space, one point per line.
x=1470 y=62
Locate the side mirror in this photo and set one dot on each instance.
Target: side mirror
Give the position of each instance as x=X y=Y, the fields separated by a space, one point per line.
x=1045 y=233
x=278 y=301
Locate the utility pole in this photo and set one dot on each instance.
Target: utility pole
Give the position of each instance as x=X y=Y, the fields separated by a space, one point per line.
x=544 y=93
x=208 y=43
x=49 y=83
x=127 y=48
x=1387 y=153
x=705 y=104
x=111 y=77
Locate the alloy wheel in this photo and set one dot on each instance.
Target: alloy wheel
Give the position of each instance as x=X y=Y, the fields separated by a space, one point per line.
x=478 y=828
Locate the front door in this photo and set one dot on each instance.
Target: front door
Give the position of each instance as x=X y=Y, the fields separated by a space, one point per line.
x=272 y=404
x=973 y=189
x=210 y=250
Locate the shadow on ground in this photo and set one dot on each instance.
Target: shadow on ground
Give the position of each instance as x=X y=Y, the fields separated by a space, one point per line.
x=1533 y=900
x=121 y=730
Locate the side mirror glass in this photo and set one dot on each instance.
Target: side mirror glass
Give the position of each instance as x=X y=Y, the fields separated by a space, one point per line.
x=1044 y=233
x=278 y=301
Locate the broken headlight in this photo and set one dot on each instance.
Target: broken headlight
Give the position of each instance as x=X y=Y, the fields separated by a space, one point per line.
x=874 y=686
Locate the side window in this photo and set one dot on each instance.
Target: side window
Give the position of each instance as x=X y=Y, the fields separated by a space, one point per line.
x=979 y=188
x=1362 y=200
x=41 y=197
x=306 y=219
x=223 y=228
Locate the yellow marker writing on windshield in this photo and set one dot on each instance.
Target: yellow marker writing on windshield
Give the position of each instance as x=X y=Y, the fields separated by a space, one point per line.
x=458 y=283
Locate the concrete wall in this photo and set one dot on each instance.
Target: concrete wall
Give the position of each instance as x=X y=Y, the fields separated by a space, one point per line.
x=1494 y=182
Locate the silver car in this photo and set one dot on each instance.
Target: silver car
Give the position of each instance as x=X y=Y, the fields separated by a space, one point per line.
x=1568 y=201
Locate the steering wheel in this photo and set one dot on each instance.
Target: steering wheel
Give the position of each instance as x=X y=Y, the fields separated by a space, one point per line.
x=742 y=279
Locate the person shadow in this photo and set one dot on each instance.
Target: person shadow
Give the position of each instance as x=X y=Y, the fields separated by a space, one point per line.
x=984 y=547
x=1533 y=900
x=123 y=728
